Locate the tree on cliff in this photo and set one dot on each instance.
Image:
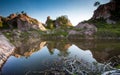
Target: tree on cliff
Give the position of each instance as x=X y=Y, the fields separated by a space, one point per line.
x=97 y=3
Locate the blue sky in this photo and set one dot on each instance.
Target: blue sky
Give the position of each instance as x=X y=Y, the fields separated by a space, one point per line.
x=76 y=10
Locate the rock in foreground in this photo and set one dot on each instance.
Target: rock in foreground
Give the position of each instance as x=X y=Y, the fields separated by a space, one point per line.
x=6 y=49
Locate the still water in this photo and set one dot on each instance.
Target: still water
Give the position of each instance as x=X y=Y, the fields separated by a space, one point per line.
x=63 y=57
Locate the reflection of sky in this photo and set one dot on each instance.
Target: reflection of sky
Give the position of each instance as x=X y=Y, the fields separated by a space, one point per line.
x=84 y=55
x=77 y=10
x=39 y=60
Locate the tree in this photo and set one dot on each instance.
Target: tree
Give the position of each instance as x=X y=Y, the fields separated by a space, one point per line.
x=97 y=3
x=22 y=12
x=63 y=20
x=49 y=23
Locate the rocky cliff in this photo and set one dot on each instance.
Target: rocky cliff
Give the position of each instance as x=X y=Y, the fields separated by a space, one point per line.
x=109 y=12
x=6 y=49
x=21 y=21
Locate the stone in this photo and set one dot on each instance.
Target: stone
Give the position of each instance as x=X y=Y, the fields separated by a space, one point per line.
x=23 y=22
x=110 y=21
x=6 y=49
x=84 y=29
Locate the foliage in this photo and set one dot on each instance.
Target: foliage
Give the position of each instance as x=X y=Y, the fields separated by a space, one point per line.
x=97 y=3
x=118 y=66
x=5 y=25
x=34 y=21
x=50 y=24
x=108 y=33
x=23 y=12
x=63 y=20
x=105 y=29
x=1 y=25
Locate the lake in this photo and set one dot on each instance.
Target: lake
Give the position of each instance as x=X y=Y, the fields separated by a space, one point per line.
x=63 y=57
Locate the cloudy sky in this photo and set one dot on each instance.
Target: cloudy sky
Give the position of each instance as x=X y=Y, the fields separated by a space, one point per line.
x=76 y=10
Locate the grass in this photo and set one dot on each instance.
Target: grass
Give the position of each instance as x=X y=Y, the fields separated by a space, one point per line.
x=118 y=66
x=113 y=33
x=104 y=29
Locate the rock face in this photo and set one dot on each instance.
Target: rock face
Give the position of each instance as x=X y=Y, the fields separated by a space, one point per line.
x=84 y=29
x=109 y=11
x=23 y=22
x=103 y=11
x=6 y=49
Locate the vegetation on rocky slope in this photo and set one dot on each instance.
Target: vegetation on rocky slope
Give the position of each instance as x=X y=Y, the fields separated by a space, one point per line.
x=60 y=22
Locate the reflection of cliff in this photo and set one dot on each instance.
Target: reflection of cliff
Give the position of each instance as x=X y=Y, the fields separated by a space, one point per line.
x=62 y=46
x=102 y=50
x=26 y=48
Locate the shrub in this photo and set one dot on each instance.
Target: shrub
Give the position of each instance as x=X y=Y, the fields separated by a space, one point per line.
x=1 y=24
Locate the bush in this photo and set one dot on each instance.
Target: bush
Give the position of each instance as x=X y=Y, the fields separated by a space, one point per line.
x=113 y=33
x=1 y=24
x=63 y=21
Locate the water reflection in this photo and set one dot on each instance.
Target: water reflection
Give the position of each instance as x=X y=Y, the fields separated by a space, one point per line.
x=62 y=46
x=25 y=50
x=38 y=55
x=102 y=50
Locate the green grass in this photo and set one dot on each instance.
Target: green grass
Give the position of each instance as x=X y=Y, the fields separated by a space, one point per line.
x=105 y=29
x=103 y=32
x=118 y=67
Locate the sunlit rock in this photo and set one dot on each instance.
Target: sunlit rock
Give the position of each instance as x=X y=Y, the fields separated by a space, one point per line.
x=6 y=49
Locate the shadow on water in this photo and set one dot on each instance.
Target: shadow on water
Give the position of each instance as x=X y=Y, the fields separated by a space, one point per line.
x=37 y=57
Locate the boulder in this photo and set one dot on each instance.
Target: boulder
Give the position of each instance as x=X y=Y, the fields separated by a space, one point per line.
x=12 y=16
x=23 y=22
x=6 y=49
x=84 y=29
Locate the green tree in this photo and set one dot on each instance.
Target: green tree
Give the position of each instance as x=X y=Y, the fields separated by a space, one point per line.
x=63 y=21
x=50 y=23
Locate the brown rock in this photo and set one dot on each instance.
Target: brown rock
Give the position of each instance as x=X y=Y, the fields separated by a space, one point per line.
x=12 y=16
x=104 y=11
x=24 y=22
x=110 y=12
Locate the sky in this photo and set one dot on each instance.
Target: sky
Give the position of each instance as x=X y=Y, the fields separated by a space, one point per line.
x=76 y=10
